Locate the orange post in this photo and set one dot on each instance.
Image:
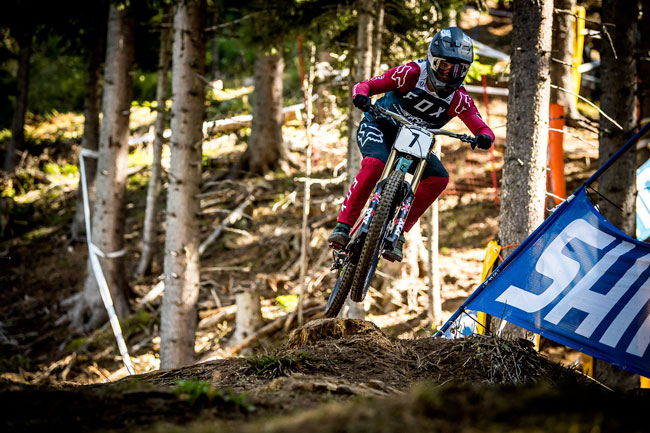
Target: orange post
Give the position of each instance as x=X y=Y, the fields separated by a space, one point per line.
x=556 y=151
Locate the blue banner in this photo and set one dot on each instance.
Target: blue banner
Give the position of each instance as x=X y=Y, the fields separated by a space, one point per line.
x=643 y=201
x=579 y=281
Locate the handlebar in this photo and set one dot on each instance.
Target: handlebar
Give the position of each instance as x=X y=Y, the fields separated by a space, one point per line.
x=378 y=111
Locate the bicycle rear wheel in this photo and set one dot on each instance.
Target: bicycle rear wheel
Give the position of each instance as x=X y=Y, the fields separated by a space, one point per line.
x=340 y=290
x=369 y=257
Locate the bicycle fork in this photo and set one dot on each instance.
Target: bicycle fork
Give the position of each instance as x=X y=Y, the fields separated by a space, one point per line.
x=405 y=207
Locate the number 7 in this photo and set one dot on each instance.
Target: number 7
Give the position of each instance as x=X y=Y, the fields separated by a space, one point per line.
x=415 y=138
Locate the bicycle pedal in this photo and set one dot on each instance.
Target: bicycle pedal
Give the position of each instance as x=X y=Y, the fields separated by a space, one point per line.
x=336 y=246
x=391 y=258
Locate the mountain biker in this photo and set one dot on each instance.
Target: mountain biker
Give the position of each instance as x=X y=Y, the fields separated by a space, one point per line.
x=427 y=92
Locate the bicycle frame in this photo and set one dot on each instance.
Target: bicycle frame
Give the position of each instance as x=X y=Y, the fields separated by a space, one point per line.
x=358 y=261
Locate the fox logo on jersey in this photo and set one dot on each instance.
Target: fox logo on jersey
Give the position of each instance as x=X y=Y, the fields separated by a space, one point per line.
x=400 y=75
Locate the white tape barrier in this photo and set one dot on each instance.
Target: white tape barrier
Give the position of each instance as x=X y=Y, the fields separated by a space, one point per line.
x=93 y=252
x=243 y=119
x=486 y=51
x=495 y=91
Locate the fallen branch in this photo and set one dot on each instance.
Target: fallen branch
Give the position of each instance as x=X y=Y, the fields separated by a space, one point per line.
x=312 y=180
x=234 y=216
x=224 y=313
x=588 y=102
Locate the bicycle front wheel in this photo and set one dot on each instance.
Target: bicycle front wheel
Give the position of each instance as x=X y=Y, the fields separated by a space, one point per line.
x=340 y=290
x=369 y=257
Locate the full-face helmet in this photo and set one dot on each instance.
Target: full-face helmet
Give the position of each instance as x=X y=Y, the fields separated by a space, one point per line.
x=448 y=59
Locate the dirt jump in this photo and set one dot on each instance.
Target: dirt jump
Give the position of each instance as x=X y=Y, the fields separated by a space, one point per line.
x=339 y=375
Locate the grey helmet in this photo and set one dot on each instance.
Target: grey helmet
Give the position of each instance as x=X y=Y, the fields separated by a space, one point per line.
x=448 y=59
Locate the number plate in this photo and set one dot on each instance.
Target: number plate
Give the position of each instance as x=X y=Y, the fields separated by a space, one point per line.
x=413 y=141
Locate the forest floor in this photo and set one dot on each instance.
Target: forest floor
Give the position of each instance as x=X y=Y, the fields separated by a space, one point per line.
x=382 y=374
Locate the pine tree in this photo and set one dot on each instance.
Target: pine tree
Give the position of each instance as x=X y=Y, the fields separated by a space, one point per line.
x=524 y=167
x=179 y=308
x=108 y=214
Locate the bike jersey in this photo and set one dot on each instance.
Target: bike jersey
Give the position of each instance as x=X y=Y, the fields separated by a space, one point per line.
x=406 y=93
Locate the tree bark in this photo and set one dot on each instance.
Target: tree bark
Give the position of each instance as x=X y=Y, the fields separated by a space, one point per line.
x=618 y=84
x=108 y=214
x=362 y=72
x=179 y=307
x=249 y=315
x=325 y=106
x=266 y=149
x=17 y=140
x=149 y=230
x=92 y=107
x=562 y=51
x=643 y=68
x=377 y=37
x=524 y=168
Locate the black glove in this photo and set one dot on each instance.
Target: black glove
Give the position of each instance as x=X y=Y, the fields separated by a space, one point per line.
x=362 y=102
x=483 y=141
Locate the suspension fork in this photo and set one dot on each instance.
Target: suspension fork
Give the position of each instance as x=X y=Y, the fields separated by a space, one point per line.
x=405 y=207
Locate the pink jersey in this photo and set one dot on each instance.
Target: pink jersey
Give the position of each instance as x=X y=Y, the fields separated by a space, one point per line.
x=406 y=92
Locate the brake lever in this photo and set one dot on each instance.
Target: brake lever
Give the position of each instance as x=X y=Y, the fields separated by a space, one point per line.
x=374 y=110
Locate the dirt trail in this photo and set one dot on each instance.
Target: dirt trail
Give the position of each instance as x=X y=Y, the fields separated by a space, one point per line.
x=324 y=363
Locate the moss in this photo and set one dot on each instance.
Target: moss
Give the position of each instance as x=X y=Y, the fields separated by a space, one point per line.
x=76 y=344
x=200 y=391
x=15 y=363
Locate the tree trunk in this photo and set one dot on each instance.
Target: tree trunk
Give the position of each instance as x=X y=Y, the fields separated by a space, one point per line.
x=17 y=140
x=108 y=214
x=249 y=315
x=325 y=108
x=376 y=37
x=362 y=72
x=150 y=228
x=92 y=106
x=179 y=307
x=216 y=70
x=524 y=168
x=266 y=149
x=562 y=52
x=618 y=84
x=643 y=74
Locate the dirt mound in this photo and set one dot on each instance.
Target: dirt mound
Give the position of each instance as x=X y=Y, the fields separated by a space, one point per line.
x=325 y=360
x=334 y=329
x=360 y=352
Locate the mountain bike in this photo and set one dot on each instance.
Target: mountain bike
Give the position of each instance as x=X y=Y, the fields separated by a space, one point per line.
x=383 y=221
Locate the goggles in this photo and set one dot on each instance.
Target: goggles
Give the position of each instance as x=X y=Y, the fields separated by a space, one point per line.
x=448 y=72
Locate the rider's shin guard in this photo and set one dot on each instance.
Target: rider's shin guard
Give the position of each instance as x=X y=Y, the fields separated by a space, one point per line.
x=361 y=188
x=428 y=191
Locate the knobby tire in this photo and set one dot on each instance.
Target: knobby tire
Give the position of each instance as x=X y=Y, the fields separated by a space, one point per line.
x=371 y=248
x=340 y=290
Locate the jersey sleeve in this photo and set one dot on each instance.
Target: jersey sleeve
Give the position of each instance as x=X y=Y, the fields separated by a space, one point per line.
x=401 y=78
x=462 y=105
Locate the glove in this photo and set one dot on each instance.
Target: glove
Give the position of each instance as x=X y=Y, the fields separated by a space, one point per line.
x=483 y=141
x=362 y=102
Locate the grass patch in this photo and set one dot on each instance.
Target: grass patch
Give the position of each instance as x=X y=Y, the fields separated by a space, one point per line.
x=272 y=366
x=15 y=363
x=197 y=391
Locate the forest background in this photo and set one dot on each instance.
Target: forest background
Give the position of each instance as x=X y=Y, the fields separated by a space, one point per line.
x=241 y=258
